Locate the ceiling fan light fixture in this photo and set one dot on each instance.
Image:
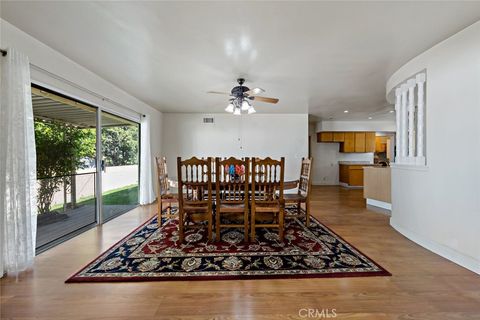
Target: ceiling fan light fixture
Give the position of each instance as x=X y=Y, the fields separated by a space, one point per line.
x=241 y=98
x=245 y=105
x=230 y=108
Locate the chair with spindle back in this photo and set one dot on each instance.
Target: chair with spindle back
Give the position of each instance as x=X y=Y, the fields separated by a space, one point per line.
x=165 y=199
x=231 y=189
x=267 y=194
x=303 y=194
x=194 y=194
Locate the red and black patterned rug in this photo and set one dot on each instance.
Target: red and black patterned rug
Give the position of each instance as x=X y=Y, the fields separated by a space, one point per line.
x=150 y=253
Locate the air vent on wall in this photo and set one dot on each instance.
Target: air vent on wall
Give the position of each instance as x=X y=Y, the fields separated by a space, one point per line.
x=208 y=120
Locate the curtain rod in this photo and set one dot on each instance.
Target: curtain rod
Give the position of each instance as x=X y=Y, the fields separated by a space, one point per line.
x=3 y=52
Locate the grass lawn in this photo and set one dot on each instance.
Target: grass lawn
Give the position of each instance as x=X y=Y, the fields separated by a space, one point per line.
x=124 y=195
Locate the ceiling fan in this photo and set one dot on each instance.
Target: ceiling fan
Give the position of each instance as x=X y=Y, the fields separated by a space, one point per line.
x=242 y=97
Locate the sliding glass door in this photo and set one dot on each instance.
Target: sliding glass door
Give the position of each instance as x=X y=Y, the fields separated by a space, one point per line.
x=119 y=165
x=87 y=166
x=65 y=138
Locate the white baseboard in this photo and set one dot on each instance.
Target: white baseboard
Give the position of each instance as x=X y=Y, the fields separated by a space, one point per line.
x=380 y=204
x=324 y=183
x=346 y=185
x=341 y=184
x=446 y=252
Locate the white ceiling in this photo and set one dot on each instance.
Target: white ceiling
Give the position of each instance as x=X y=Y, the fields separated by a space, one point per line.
x=323 y=57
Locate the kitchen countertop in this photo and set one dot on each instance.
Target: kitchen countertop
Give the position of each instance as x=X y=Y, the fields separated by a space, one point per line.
x=377 y=167
x=356 y=163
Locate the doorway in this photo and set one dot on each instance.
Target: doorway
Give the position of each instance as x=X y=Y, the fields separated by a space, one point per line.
x=75 y=191
x=119 y=165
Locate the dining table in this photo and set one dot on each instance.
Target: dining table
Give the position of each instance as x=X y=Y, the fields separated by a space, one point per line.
x=287 y=185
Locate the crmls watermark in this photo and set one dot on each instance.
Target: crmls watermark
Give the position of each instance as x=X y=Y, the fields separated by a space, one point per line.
x=307 y=313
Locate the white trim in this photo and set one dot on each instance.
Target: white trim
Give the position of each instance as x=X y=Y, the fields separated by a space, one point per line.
x=345 y=185
x=99 y=156
x=324 y=183
x=443 y=251
x=380 y=204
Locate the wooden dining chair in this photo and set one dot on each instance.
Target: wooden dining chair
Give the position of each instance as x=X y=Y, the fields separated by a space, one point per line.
x=165 y=199
x=194 y=194
x=267 y=195
x=231 y=189
x=303 y=193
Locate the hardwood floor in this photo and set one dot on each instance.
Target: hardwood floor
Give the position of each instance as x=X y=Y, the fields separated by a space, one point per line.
x=423 y=285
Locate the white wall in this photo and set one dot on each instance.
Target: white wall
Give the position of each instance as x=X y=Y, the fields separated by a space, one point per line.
x=262 y=135
x=372 y=125
x=326 y=155
x=50 y=67
x=439 y=207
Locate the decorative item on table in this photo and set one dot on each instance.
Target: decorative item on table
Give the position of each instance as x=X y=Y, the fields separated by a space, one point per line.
x=235 y=172
x=239 y=172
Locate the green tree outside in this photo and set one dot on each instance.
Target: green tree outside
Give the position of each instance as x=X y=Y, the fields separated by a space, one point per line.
x=120 y=145
x=60 y=150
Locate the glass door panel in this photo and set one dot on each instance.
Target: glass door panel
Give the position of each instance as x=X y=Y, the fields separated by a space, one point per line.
x=65 y=137
x=119 y=165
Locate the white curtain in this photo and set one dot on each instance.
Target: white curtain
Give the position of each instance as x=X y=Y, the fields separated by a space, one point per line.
x=18 y=211
x=147 y=195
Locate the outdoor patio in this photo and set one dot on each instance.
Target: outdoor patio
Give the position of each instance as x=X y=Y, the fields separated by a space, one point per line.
x=76 y=219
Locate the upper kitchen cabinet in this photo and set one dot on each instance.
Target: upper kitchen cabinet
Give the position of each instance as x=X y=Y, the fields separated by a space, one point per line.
x=350 y=142
x=338 y=136
x=325 y=136
x=369 y=141
x=360 y=142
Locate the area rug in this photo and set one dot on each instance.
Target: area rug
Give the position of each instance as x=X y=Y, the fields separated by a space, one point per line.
x=150 y=253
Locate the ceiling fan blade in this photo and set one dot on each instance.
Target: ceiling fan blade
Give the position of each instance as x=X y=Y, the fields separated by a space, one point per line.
x=218 y=92
x=265 y=99
x=255 y=91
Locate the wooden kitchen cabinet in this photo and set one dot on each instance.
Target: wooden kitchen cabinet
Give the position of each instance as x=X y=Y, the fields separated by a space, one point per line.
x=348 y=144
x=343 y=173
x=351 y=175
x=325 y=136
x=369 y=141
x=338 y=136
x=359 y=141
x=381 y=143
x=356 y=176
